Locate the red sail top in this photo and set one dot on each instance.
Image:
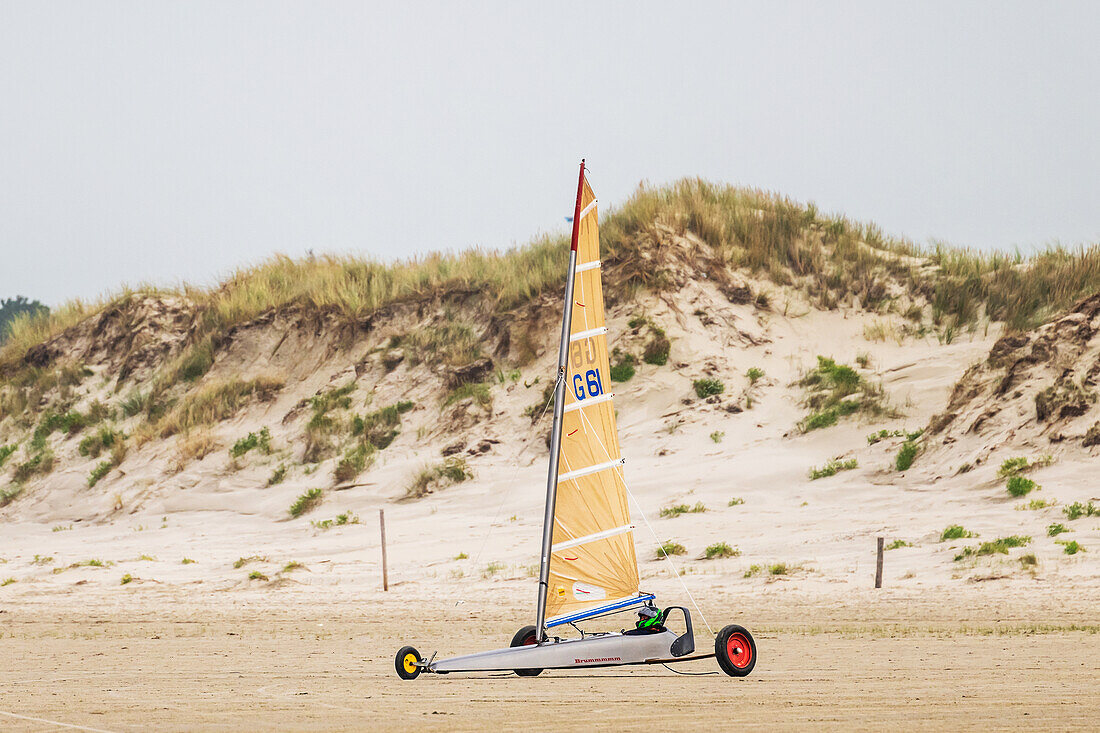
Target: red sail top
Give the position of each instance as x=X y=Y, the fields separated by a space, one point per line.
x=577 y=211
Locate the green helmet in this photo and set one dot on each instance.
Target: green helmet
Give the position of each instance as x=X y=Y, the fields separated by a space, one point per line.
x=648 y=616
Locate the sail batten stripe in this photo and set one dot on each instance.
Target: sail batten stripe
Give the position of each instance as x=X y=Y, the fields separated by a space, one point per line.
x=581 y=404
x=593 y=537
x=584 y=212
x=581 y=335
x=589 y=470
x=588 y=266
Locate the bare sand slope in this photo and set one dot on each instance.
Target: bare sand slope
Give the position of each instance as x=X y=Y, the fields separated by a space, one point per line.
x=482 y=535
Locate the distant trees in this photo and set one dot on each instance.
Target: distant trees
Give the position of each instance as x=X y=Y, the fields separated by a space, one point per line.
x=11 y=308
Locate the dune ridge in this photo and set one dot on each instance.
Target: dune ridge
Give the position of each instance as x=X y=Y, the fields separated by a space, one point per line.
x=775 y=364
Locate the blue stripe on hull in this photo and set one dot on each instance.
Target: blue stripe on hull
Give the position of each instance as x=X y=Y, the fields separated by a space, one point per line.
x=581 y=615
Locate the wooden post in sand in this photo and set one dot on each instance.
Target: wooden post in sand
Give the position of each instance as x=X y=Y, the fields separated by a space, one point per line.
x=878 y=564
x=385 y=571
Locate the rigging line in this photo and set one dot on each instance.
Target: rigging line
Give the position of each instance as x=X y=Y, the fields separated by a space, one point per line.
x=507 y=491
x=542 y=414
x=675 y=570
x=638 y=505
x=689 y=674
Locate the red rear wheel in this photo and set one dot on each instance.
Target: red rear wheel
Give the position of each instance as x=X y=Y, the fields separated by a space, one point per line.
x=736 y=650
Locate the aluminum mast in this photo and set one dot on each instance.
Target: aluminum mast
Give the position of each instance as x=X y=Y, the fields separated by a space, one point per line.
x=559 y=411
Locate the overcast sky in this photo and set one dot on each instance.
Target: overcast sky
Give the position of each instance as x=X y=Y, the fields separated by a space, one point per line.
x=163 y=142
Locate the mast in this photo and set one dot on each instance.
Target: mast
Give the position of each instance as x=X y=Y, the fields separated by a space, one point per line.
x=559 y=411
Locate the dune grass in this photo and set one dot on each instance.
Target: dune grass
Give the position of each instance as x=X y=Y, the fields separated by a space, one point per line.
x=451 y=343
x=1076 y=510
x=720 y=550
x=657 y=348
x=829 y=257
x=1020 y=486
x=39 y=464
x=215 y=402
x=881 y=435
x=677 y=509
x=261 y=440
x=101 y=469
x=1020 y=464
x=10 y=494
x=906 y=455
x=707 y=387
x=622 y=366
x=1000 y=546
x=1055 y=529
x=278 y=475
x=321 y=424
x=355 y=460
x=451 y=471
x=762 y=232
x=103 y=439
x=379 y=428
x=955 y=532
x=308 y=501
x=242 y=561
x=194 y=446
x=339 y=520
x=670 y=548
x=836 y=390
x=832 y=468
x=479 y=392
x=1070 y=547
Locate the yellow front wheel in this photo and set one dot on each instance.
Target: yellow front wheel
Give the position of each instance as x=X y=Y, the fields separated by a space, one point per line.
x=408 y=663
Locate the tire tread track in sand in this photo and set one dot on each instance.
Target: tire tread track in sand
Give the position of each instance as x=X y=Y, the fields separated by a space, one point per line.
x=54 y=722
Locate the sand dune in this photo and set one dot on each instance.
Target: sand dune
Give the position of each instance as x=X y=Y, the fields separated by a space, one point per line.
x=218 y=509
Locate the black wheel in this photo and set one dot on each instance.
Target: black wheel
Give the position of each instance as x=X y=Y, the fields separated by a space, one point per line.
x=407 y=663
x=526 y=637
x=736 y=651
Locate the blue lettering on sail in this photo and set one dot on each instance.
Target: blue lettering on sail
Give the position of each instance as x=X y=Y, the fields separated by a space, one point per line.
x=594 y=386
x=590 y=385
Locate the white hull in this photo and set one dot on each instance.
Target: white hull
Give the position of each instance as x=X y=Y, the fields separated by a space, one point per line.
x=592 y=651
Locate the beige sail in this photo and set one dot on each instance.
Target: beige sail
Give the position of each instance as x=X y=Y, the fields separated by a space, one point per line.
x=592 y=562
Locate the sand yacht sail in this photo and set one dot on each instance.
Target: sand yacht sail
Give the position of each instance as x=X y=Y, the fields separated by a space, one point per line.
x=588 y=564
x=588 y=567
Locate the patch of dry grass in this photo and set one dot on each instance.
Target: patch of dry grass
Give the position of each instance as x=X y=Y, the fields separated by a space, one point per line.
x=194 y=446
x=214 y=402
x=451 y=343
x=883 y=330
x=451 y=471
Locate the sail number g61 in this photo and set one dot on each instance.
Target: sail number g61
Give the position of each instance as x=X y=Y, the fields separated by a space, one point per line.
x=588 y=384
